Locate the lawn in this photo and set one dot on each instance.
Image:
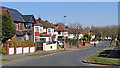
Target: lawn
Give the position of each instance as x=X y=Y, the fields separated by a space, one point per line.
x=39 y=54
x=62 y=50
x=101 y=57
x=5 y=60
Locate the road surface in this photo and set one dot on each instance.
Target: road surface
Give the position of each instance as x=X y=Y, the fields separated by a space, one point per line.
x=73 y=58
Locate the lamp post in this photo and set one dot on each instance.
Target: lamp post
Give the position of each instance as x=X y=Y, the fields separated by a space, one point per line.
x=64 y=31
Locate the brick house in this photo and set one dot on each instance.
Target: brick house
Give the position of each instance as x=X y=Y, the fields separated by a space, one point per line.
x=23 y=25
x=61 y=31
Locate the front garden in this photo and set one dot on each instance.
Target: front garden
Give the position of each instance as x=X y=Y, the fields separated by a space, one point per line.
x=15 y=47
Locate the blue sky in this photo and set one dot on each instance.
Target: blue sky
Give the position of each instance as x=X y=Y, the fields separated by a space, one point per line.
x=86 y=13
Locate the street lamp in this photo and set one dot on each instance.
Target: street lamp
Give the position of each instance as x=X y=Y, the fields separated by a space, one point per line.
x=64 y=31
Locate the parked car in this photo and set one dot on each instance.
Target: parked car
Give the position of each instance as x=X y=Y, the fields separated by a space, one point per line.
x=61 y=44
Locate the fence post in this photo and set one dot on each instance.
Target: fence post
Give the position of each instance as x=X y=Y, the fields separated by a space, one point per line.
x=22 y=49
x=29 y=48
x=14 y=49
x=57 y=46
x=35 y=47
x=7 y=47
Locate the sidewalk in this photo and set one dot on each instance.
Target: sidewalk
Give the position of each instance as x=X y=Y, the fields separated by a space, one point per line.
x=23 y=56
x=114 y=53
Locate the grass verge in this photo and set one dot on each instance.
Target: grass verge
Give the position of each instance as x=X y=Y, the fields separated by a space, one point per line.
x=39 y=54
x=101 y=57
x=62 y=50
x=5 y=60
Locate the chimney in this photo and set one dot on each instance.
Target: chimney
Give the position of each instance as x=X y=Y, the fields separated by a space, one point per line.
x=39 y=18
x=46 y=20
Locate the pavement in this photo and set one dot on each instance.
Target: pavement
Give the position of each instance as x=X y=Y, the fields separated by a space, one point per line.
x=72 y=58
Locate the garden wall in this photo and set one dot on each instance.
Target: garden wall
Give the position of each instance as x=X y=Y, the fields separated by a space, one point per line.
x=10 y=50
x=21 y=50
x=48 y=47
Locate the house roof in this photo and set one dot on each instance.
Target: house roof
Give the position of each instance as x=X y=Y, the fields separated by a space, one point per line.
x=29 y=18
x=18 y=17
x=84 y=32
x=74 y=31
x=45 y=24
x=59 y=27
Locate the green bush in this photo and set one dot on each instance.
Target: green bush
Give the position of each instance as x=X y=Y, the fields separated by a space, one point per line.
x=67 y=40
x=87 y=37
x=73 y=41
x=22 y=43
x=3 y=50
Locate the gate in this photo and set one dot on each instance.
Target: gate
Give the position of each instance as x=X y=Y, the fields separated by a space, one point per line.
x=39 y=45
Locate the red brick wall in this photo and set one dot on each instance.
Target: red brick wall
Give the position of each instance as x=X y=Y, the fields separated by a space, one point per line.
x=23 y=26
x=87 y=44
x=14 y=38
x=67 y=45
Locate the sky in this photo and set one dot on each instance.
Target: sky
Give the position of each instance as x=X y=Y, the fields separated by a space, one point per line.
x=60 y=0
x=85 y=13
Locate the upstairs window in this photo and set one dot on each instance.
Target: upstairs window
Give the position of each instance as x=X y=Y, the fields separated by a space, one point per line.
x=36 y=29
x=49 y=30
x=21 y=26
x=28 y=26
x=41 y=29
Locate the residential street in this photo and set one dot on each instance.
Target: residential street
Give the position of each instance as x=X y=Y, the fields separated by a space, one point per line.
x=73 y=58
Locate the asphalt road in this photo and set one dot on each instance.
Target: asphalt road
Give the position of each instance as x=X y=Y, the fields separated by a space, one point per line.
x=73 y=58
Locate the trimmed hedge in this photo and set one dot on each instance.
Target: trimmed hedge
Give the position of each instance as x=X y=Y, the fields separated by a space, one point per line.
x=73 y=41
x=22 y=43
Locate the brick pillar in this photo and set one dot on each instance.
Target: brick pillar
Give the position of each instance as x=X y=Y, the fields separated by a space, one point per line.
x=22 y=49
x=29 y=48
x=7 y=47
x=35 y=46
x=14 y=49
x=119 y=45
x=57 y=46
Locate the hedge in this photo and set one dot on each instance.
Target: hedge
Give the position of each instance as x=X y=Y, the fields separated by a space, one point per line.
x=73 y=41
x=22 y=43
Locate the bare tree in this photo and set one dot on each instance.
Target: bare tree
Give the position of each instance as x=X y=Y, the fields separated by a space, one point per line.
x=107 y=31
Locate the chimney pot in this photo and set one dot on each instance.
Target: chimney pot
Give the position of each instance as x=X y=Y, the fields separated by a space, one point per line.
x=46 y=20
x=39 y=18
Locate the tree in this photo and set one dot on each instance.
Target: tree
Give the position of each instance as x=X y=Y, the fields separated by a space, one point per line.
x=8 y=28
x=88 y=37
x=87 y=28
x=107 y=31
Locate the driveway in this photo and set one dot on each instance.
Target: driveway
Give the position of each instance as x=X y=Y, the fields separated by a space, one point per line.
x=73 y=58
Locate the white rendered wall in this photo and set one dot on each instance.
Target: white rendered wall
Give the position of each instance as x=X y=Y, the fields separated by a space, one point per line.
x=11 y=50
x=26 y=50
x=48 y=47
x=32 y=49
x=18 y=50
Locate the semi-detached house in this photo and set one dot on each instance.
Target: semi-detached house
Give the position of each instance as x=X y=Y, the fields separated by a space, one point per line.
x=61 y=31
x=43 y=31
x=23 y=25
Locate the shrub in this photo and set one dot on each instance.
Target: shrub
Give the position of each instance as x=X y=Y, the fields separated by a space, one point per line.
x=12 y=43
x=87 y=37
x=22 y=43
x=3 y=50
